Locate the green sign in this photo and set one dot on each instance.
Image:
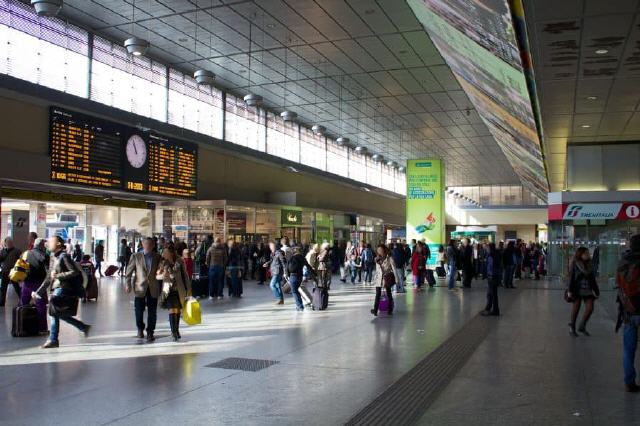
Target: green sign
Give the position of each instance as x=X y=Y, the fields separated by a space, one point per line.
x=425 y=203
x=291 y=217
x=324 y=228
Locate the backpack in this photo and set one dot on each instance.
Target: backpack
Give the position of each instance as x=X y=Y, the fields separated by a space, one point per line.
x=20 y=270
x=367 y=256
x=295 y=264
x=628 y=282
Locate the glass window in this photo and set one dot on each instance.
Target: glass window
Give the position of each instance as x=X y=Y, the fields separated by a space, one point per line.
x=45 y=51
x=244 y=125
x=374 y=173
x=194 y=107
x=357 y=166
x=387 y=179
x=312 y=149
x=131 y=83
x=283 y=138
x=337 y=159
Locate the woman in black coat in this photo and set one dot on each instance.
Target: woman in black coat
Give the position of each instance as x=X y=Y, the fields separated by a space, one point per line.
x=582 y=288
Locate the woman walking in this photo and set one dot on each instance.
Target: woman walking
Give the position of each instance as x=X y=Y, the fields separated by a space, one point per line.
x=385 y=278
x=176 y=286
x=418 y=263
x=583 y=288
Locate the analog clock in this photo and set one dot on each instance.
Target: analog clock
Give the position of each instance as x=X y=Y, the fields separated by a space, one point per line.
x=136 y=151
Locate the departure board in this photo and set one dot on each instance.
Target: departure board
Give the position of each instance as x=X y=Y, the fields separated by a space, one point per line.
x=94 y=152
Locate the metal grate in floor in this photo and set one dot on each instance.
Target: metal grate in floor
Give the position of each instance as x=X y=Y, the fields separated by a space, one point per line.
x=406 y=401
x=243 y=364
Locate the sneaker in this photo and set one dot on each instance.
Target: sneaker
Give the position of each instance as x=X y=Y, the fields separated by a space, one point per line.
x=632 y=388
x=50 y=344
x=87 y=329
x=280 y=302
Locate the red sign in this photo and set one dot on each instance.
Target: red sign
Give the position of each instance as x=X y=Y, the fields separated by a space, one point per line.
x=617 y=211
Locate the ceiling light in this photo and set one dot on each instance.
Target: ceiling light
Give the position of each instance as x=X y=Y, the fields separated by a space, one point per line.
x=402 y=52
x=318 y=129
x=288 y=115
x=291 y=169
x=592 y=98
x=47 y=7
x=365 y=189
x=369 y=11
x=391 y=163
x=253 y=100
x=204 y=77
x=183 y=39
x=402 y=169
x=455 y=194
x=242 y=71
x=342 y=141
x=451 y=191
x=361 y=149
x=378 y=158
x=602 y=52
x=271 y=25
x=136 y=46
x=586 y=126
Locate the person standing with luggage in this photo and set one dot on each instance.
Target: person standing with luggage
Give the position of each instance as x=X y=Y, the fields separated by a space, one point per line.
x=38 y=261
x=345 y=269
x=418 y=263
x=324 y=266
x=277 y=265
x=216 y=260
x=493 y=273
x=628 y=284
x=9 y=255
x=582 y=288
x=295 y=268
x=176 y=287
x=146 y=288
x=98 y=255
x=452 y=261
x=385 y=278
x=65 y=281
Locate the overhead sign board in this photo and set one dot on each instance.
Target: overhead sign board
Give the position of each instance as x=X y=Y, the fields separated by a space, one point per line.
x=594 y=211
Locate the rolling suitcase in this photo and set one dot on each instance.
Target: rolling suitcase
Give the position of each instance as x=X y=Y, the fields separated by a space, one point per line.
x=305 y=295
x=431 y=280
x=91 y=291
x=320 y=299
x=25 y=321
x=441 y=272
x=111 y=269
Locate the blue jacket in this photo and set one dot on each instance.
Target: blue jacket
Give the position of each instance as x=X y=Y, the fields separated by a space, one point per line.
x=398 y=257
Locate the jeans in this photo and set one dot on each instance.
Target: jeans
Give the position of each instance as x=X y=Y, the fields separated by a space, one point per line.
x=508 y=276
x=344 y=271
x=41 y=303
x=151 y=304
x=368 y=273
x=55 y=321
x=399 y=279
x=99 y=267
x=354 y=272
x=492 y=296
x=630 y=342
x=276 y=288
x=294 y=282
x=216 y=281
x=452 y=275
x=234 y=272
x=418 y=279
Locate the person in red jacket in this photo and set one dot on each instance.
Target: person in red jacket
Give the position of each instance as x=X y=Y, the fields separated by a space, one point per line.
x=418 y=264
x=188 y=262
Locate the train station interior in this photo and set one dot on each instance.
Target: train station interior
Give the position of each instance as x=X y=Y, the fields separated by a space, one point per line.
x=319 y=212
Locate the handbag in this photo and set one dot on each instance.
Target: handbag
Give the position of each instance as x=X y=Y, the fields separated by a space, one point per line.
x=567 y=298
x=191 y=313
x=63 y=306
x=20 y=270
x=389 y=279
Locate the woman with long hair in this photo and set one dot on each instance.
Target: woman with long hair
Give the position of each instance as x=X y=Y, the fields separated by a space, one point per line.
x=385 y=278
x=582 y=288
x=176 y=287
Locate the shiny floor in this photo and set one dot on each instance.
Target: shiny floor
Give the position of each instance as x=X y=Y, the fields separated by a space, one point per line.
x=331 y=364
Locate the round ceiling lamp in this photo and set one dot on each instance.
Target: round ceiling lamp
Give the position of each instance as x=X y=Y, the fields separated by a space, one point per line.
x=341 y=141
x=204 y=77
x=391 y=163
x=377 y=158
x=288 y=115
x=318 y=129
x=253 y=100
x=361 y=149
x=136 y=46
x=47 y=7
x=402 y=169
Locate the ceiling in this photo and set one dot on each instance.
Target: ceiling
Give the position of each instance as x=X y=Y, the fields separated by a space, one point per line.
x=365 y=69
x=585 y=96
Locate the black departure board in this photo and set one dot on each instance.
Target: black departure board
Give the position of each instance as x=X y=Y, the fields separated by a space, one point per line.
x=94 y=152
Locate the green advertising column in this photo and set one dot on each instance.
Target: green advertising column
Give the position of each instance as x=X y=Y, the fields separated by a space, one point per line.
x=425 y=203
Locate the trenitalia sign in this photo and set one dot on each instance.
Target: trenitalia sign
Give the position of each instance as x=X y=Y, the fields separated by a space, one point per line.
x=618 y=211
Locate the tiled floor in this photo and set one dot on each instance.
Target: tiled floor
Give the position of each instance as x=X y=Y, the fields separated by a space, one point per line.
x=331 y=364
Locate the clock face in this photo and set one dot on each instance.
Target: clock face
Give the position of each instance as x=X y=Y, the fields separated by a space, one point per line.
x=136 y=151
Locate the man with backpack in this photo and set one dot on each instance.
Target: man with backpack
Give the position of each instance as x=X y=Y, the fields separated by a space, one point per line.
x=628 y=283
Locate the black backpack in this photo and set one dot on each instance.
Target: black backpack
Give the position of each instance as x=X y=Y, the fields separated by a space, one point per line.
x=296 y=263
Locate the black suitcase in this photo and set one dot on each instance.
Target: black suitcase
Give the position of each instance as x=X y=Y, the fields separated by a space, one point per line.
x=25 y=321
x=431 y=280
x=441 y=272
x=320 y=299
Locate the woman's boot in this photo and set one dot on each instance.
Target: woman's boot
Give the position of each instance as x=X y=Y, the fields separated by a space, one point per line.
x=177 y=320
x=572 y=330
x=172 y=324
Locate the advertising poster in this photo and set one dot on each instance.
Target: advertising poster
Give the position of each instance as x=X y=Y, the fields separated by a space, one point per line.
x=425 y=203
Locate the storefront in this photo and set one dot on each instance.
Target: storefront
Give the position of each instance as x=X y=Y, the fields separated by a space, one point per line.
x=85 y=220
x=243 y=221
x=592 y=220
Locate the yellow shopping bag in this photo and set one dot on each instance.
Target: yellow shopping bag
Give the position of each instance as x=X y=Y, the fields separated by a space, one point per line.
x=191 y=313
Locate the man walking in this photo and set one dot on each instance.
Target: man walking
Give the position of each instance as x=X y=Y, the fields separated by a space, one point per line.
x=628 y=283
x=146 y=287
x=98 y=255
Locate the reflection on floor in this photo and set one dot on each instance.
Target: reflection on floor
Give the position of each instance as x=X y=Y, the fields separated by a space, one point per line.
x=331 y=364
